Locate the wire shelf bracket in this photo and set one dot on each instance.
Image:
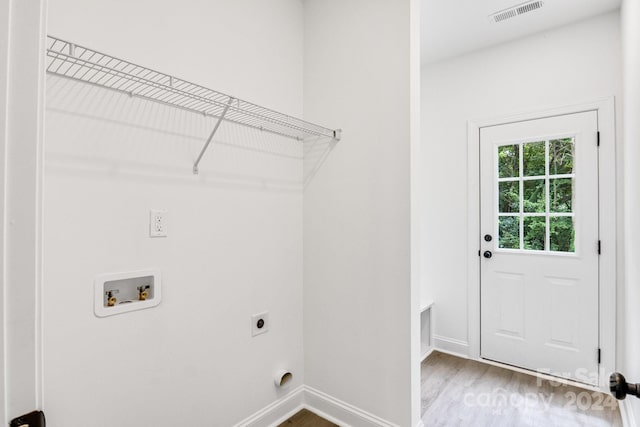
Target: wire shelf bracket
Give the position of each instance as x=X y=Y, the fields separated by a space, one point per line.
x=213 y=132
x=77 y=62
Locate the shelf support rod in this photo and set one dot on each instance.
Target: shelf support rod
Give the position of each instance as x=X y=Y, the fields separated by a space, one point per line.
x=213 y=132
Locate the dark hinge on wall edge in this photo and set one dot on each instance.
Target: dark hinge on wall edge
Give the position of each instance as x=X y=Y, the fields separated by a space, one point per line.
x=32 y=419
x=598 y=138
x=599 y=356
x=599 y=247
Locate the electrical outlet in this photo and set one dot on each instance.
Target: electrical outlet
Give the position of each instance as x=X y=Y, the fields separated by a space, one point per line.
x=259 y=323
x=158 y=223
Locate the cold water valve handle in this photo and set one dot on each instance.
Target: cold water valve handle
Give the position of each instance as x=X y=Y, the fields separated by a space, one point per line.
x=620 y=387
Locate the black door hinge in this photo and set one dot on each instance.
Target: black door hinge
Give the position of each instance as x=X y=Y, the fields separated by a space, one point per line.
x=599 y=247
x=32 y=419
x=478 y=252
x=599 y=356
x=598 y=138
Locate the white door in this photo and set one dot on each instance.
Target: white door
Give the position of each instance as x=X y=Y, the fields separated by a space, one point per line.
x=539 y=245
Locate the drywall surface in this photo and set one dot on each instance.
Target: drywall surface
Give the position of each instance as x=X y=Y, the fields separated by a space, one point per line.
x=630 y=16
x=357 y=304
x=234 y=244
x=574 y=64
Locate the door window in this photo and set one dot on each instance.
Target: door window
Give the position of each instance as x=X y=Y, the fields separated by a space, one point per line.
x=535 y=187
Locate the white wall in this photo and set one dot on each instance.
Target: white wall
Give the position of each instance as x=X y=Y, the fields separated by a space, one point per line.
x=357 y=299
x=235 y=231
x=630 y=14
x=574 y=64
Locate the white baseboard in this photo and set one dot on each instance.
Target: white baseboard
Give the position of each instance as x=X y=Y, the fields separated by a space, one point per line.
x=278 y=411
x=328 y=407
x=451 y=346
x=626 y=413
x=340 y=412
x=427 y=354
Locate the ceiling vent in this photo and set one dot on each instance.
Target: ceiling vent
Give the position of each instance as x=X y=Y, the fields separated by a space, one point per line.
x=518 y=10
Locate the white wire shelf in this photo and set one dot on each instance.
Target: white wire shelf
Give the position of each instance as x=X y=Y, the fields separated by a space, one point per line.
x=77 y=62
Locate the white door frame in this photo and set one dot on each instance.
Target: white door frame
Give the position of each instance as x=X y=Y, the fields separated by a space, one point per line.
x=22 y=77
x=607 y=222
x=4 y=78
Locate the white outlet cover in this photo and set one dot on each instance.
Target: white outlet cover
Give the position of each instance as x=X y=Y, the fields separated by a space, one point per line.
x=158 y=223
x=254 y=323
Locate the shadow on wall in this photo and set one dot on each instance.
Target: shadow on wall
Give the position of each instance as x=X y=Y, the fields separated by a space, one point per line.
x=92 y=131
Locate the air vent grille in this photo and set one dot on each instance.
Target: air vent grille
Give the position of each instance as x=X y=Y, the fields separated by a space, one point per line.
x=512 y=12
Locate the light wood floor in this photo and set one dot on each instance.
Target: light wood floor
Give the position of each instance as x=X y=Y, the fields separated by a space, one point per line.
x=461 y=392
x=306 y=418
